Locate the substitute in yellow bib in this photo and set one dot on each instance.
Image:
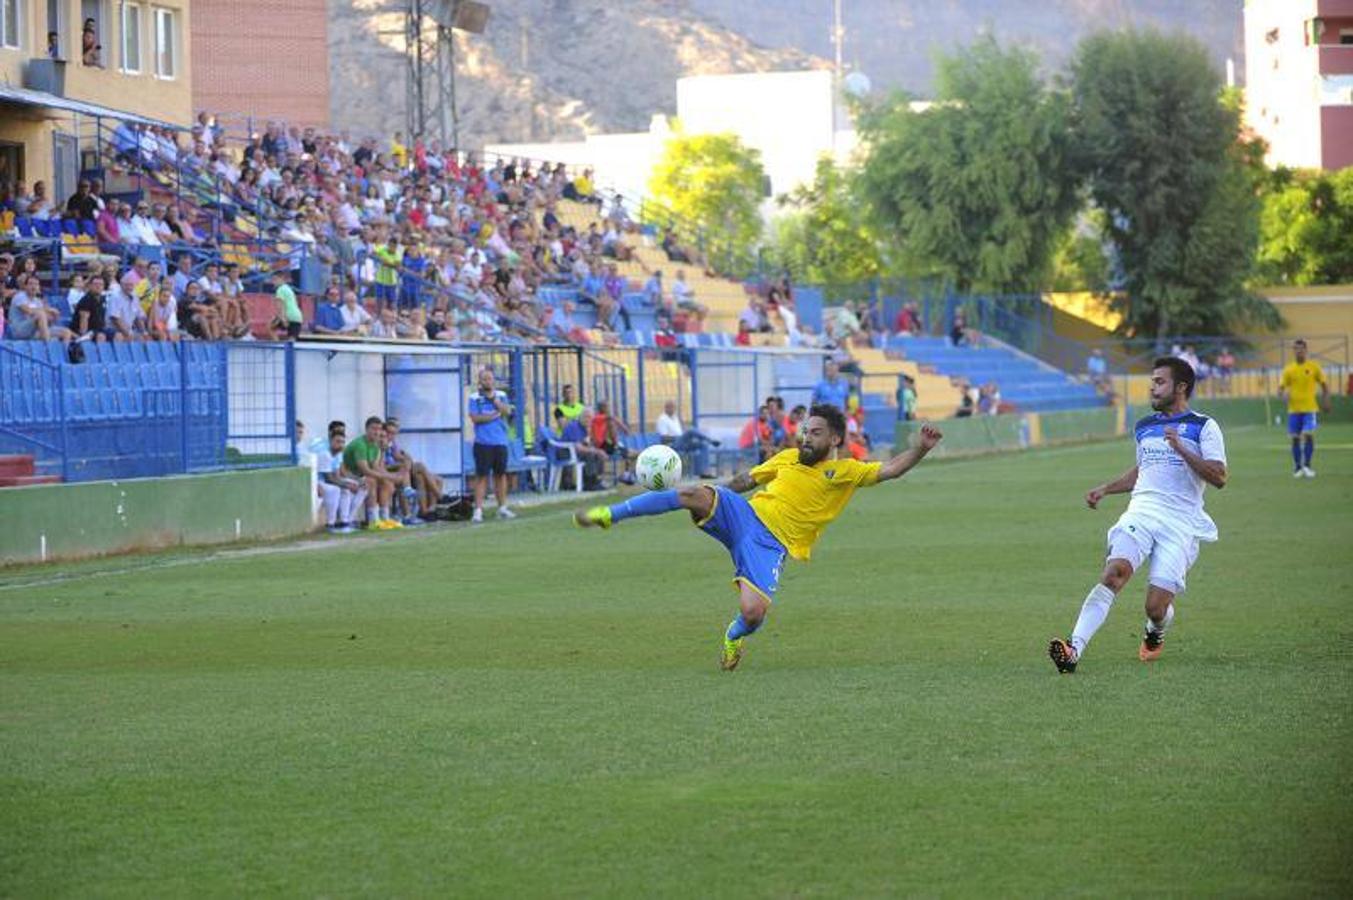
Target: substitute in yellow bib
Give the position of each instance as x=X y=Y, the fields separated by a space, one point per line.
x=804 y=489
x=1301 y=379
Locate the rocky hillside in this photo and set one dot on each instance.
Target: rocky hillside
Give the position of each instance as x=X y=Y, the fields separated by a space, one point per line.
x=555 y=69
x=545 y=69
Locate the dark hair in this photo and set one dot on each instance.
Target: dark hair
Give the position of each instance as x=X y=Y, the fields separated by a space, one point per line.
x=1301 y=341
x=835 y=419
x=1180 y=371
x=373 y=420
x=337 y=425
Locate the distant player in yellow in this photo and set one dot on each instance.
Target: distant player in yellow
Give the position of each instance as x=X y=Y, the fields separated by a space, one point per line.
x=805 y=489
x=1300 y=379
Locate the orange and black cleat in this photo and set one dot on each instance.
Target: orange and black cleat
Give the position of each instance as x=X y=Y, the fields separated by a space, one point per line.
x=1063 y=655
x=1152 y=643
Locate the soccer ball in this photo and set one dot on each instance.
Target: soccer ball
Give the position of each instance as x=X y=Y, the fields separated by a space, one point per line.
x=658 y=468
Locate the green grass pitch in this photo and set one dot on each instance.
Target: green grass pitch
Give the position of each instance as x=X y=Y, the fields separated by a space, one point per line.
x=525 y=709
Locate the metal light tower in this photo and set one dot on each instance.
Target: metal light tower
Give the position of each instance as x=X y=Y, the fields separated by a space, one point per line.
x=430 y=102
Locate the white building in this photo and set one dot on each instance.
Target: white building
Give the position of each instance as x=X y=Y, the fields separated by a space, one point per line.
x=787 y=116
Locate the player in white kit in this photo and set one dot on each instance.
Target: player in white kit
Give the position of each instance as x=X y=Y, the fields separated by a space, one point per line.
x=1178 y=451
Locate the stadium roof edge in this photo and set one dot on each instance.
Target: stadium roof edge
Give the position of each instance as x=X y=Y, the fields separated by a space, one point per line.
x=28 y=97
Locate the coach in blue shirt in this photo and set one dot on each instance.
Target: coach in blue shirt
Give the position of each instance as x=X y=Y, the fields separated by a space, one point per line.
x=832 y=389
x=489 y=411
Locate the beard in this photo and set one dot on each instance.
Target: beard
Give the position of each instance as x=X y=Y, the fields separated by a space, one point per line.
x=809 y=456
x=1161 y=404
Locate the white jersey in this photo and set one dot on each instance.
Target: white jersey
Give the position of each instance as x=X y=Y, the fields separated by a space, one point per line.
x=1167 y=490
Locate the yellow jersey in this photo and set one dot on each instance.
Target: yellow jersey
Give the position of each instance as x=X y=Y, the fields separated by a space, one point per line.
x=799 y=501
x=1301 y=381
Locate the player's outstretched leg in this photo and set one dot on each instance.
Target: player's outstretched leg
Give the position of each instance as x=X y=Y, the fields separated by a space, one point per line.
x=752 y=607
x=698 y=499
x=1159 y=617
x=1065 y=654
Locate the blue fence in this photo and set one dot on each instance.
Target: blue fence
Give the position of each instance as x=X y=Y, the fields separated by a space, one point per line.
x=135 y=410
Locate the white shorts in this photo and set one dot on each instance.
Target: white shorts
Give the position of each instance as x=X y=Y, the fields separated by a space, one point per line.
x=1135 y=538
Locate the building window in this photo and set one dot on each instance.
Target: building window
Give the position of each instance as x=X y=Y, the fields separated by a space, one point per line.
x=9 y=24
x=166 y=59
x=131 y=38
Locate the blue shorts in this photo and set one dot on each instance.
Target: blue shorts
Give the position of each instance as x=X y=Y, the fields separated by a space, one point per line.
x=758 y=556
x=385 y=293
x=1300 y=423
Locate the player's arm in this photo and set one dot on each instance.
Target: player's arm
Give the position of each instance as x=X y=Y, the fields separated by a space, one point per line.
x=1324 y=391
x=741 y=482
x=905 y=461
x=1213 y=471
x=371 y=471
x=1120 y=485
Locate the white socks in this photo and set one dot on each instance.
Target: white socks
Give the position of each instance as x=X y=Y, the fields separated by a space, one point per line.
x=1164 y=626
x=1094 y=611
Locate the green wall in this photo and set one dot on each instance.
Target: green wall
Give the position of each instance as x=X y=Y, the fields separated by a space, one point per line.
x=1257 y=411
x=991 y=434
x=102 y=517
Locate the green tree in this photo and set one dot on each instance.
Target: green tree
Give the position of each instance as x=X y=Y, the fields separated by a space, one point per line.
x=824 y=239
x=1165 y=165
x=716 y=183
x=1306 y=229
x=978 y=187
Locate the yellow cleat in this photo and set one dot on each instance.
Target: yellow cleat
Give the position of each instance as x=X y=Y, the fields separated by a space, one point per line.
x=731 y=655
x=596 y=517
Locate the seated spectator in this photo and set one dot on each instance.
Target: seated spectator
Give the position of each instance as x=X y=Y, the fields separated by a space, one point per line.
x=31 y=318
x=183 y=274
x=966 y=405
x=577 y=434
x=90 y=319
x=653 y=291
x=684 y=440
x=755 y=435
x=356 y=320
x=198 y=316
x=81 y=204
x=363 y=459
x=106 y=228
x=908 y=321
x=429 y=487
x=1226 y=365
x=402 y=502
x=163 y=317
x=126 y=319
x=289 y=320
x=989 y=399
x=439 y=329
x=753 y=316
x=606 y=431
x=386 y=324
x=958 y=333
x=1097 y=368
x=341 y=495
x=685 y=297
x=37 y=205
x=139 y=229
x=744 y=336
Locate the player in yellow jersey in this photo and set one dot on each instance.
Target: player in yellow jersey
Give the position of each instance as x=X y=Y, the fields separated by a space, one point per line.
x=805 y=489
x=1299 y=381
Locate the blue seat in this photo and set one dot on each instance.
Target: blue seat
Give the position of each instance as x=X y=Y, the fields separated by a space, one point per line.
x=70 y=227
x=89 y=228
x=25 y=226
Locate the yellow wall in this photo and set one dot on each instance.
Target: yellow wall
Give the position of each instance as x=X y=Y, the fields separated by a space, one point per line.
x=167 y=99
x=1322 y=315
